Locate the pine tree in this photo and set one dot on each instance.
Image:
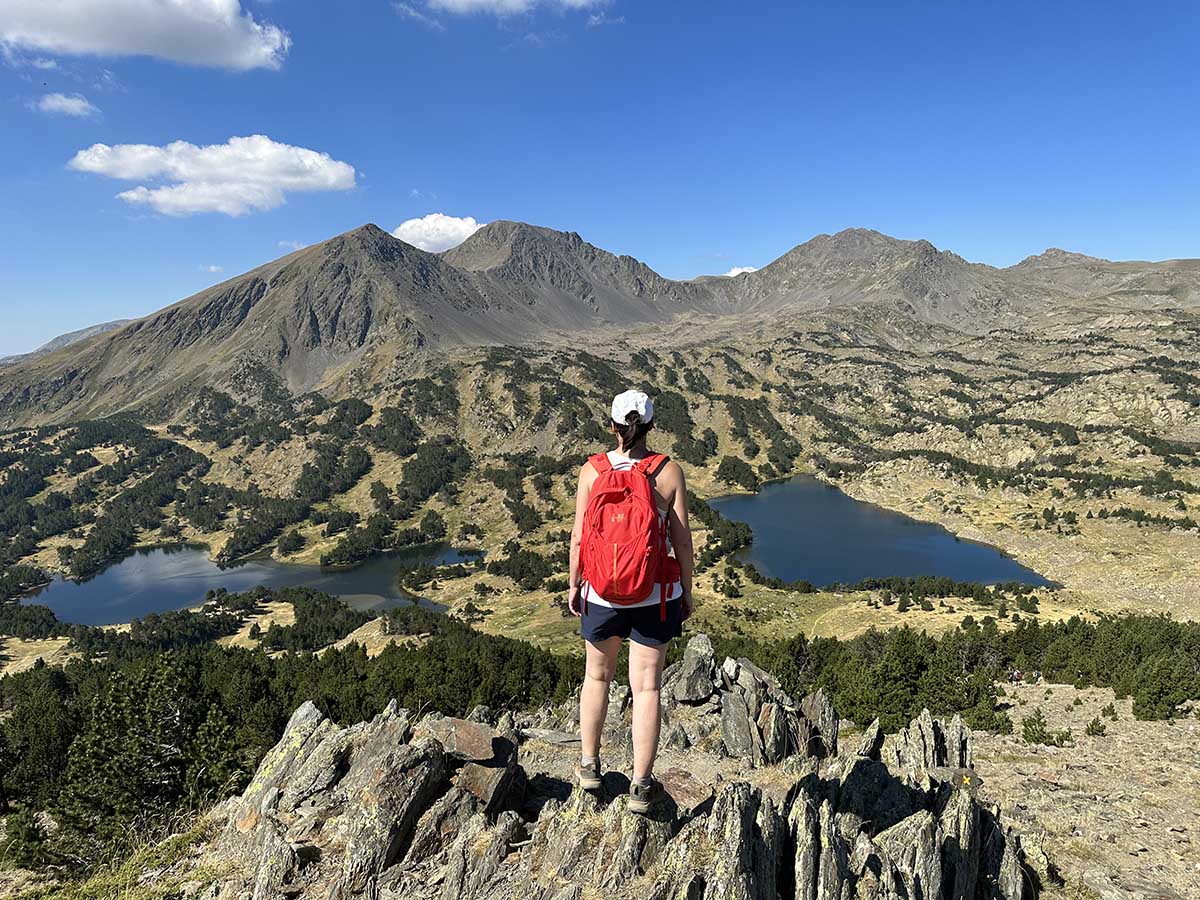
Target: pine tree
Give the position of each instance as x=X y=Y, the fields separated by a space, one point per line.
x=213 y=767
x=39 y=731
x=131 y=757
x=6 y=764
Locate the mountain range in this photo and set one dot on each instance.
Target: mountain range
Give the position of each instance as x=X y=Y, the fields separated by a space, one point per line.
x=64 y=340
x=365 y=296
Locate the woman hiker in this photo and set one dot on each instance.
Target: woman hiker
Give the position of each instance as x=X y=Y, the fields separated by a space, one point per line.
x=630 y=578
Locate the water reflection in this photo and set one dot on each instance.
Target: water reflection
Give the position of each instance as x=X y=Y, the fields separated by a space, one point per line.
x=175 y=577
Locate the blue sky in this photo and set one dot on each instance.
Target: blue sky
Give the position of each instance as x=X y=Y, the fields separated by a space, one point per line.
x=697 y=137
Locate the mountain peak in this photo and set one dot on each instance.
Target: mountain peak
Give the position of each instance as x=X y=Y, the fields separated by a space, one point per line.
x=1053 y=257
x=369 y=233
x=499 y=242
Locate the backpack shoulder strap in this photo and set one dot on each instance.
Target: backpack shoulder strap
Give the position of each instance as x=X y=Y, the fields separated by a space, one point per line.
x=600 y=462
x=652 y=464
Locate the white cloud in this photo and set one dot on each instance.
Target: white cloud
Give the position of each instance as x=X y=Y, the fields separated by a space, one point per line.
x=436 y=232
x=198 y=32
x=508 y=7
x=107 y=81
x=75 y=105
x=213 y=269
x=410 y=12
x=290 y=246
x=244 y=174
x=595 y=20
x=739 y=270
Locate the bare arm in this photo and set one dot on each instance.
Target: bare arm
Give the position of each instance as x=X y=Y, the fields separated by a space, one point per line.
x=681 y=535
x=574 y=578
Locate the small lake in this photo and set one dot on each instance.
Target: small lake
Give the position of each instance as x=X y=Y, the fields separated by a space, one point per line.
x=176 y=577
x=806 y=529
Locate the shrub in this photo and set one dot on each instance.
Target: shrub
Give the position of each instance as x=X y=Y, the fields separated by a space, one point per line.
x=737 y=472
x=1035 y=730
x=291 y=541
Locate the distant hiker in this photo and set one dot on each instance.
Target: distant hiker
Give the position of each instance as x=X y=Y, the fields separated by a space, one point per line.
x=631 y=577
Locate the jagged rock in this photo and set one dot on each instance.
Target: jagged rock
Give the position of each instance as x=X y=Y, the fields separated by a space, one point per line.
x=493 y=786
x=694 y=682
x=551 y=735
x=1003 y=875
x=276 y=864
x=687 y=791
x=737 y=731
x=913 y=845
x=470 y=741
x=961 y=838
x=959 y=752
x=377 y=812
x=928 y=742
x=482 y=714
x=677 y=738
x=733 y=852
x=871 y=742
x=331 y=808
x=383 y=813
x=818 y=709
x=438 y=827
x=832 y=861
x=804 y=739
x=583 y=841
x=729 y=673
x=619 y=700
x=320 y=769
x=866 y=793
x=752 y=688
x=506 y=725
x=773 y=725
x=1033 y=852
x=278 y=765
x=476 y=855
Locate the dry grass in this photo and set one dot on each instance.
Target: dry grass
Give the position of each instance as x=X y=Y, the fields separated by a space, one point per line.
x=274 y=612
x=17 y=655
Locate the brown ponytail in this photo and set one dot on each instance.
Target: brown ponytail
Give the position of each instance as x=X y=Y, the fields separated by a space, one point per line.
x=632 y=431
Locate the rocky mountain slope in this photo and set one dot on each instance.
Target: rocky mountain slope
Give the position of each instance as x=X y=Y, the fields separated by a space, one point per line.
x=766 y=804
x=362 y=302
x=64 y=340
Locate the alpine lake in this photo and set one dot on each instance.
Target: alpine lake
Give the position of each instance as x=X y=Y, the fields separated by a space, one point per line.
x=803 y=529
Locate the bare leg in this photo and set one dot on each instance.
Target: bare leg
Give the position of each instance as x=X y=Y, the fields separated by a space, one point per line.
x=645 y=680
x=593 y=696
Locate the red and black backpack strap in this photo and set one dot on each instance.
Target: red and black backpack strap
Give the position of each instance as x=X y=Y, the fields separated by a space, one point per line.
x=600 y=462
x=652 y=463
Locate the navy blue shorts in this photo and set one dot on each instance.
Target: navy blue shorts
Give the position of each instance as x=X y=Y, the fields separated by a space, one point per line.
x=641 y=624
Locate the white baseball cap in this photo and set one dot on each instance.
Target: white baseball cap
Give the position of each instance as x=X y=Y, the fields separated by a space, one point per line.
x=632 y=401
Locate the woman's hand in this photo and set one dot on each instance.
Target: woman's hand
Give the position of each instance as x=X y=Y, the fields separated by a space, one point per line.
x=573 y=600
x=685 y=608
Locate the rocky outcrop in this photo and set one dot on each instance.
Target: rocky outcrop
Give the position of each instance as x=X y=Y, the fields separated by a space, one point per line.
x=927 y=743
x=443 y=809
x=740 y=710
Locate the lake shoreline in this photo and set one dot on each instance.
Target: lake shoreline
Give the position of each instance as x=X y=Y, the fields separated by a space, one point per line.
x=852 y=513
x=908 y=511
x=160 y=578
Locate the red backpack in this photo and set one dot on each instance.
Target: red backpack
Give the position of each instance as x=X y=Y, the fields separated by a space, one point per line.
x=623 y=548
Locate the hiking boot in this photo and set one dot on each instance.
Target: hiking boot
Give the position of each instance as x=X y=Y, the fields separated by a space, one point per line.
x=642 y=797
x=588 y=776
